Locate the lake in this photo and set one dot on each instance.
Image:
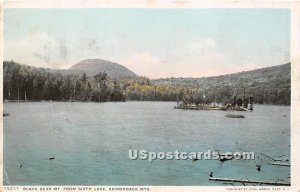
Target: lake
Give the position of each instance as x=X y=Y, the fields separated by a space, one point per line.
x=90 y=143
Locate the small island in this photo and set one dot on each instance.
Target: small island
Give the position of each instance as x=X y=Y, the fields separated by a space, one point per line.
x=198 y=101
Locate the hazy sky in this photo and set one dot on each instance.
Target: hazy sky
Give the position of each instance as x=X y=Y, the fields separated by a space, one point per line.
x=150 y=42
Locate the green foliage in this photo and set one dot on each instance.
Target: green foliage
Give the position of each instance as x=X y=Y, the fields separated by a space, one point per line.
x=141 y=89
x=22 y=82
x=271 y=85
x=267 y=86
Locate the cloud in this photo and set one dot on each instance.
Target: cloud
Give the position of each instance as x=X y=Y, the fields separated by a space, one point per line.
x=187 y=60
x=144 y=64
x=200 y=56
x=203 y=57
x=38 y=49
x=195 y=59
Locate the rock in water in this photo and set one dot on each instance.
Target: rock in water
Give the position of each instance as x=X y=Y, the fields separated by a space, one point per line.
x=234 y=116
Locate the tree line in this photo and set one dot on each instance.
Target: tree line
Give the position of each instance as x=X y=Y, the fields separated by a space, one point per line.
x=271 y=85
x=266 y=86
x=141 y=89
x=23 y=82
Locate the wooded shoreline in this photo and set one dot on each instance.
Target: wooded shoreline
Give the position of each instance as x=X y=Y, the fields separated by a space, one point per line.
x=26 y=83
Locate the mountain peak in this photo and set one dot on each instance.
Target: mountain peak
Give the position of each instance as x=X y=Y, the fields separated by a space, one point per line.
x=93 y=66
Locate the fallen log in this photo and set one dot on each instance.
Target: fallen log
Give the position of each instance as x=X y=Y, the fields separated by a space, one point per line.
x=249 y=181
x=280 y=164
x=281 y=160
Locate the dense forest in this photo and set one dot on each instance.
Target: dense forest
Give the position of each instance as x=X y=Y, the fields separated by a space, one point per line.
x=23 y=82
x=142 y=89
x=271 y=85
x=267 y=86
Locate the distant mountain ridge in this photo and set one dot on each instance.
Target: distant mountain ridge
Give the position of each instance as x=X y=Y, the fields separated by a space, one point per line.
x=266 y=85
x=271 y=85
x=93 y=66
x=283 y=69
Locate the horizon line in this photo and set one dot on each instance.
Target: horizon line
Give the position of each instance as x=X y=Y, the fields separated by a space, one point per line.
x=285 y=63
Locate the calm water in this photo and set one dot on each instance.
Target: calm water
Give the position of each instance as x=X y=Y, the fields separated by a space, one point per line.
x=90 y=143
